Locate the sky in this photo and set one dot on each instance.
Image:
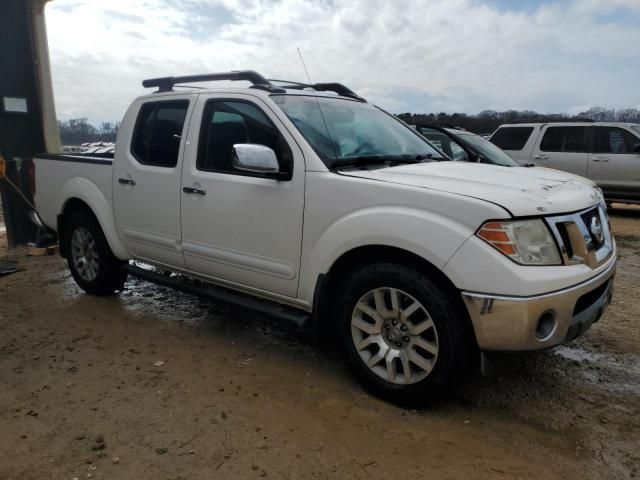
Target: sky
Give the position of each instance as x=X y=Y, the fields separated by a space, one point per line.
x=551 y=56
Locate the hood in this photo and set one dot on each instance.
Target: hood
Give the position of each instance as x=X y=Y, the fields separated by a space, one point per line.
x=522 y=191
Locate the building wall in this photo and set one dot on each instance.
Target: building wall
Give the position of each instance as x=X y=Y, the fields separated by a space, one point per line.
x=25 y=94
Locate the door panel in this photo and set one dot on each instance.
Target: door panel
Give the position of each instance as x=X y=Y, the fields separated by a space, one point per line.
x=241 y=229
x=146 y=181
x=563 y=148
x=613 y=165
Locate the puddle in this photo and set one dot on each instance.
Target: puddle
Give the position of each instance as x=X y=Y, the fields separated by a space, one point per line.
x=618 y=373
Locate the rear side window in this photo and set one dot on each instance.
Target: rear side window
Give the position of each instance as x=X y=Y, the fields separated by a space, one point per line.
x=613 y=140
x=564 y=139
x=226 y=123
x=511 y=138
x=157 y=134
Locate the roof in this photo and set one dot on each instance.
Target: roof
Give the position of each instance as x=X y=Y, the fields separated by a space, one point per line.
x=570 y=124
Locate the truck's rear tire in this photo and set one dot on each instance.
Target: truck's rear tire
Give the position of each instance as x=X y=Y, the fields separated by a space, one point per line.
x=403 y=338
x=92 y=263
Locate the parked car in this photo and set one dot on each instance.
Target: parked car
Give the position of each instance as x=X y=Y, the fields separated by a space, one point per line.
x=605 y=152
x=310 y=200
x=462 y=145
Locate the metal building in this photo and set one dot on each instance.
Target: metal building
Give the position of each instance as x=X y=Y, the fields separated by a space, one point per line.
x=28 y=122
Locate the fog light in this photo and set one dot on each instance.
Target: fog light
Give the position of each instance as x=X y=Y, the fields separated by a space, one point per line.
x=546 y=325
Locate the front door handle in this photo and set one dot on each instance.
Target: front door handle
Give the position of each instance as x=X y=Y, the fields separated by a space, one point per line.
x=194 y=190
x=541 y=157
x=600 y=159
x=126 y=181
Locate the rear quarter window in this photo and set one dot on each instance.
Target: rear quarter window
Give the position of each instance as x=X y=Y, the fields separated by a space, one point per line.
x=511 y=138
x=157 y=133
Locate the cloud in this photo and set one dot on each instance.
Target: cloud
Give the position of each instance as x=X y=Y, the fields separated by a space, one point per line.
x=436 y=55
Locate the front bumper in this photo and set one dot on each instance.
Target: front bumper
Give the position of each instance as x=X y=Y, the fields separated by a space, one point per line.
x=504 y=323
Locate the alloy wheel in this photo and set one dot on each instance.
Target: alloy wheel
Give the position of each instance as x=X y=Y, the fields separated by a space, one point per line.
x=394 y=335
x=84 y=254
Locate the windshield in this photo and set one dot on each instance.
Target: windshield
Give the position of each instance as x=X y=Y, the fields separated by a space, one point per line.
x=636 y=128
x=343 y=130
x=488 y=150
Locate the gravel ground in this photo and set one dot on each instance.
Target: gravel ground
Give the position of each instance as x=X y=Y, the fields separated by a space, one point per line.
x=158 y=384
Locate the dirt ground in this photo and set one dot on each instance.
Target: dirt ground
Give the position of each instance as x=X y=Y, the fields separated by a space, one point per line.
x=181 y=388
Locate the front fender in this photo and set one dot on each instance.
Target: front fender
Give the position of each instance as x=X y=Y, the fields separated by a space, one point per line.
x=429 y=235
x=87 y=191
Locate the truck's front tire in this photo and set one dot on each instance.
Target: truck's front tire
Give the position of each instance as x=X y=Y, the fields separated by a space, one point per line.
x=92 y=263
x=403 y=338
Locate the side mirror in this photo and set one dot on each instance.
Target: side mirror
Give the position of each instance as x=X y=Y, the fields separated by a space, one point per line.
x=636 y=148
x=258 y=159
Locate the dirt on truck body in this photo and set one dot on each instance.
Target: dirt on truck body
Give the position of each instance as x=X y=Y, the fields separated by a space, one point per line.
x=158 y=384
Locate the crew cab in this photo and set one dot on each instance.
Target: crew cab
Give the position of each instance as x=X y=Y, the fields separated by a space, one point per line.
x=310 y=198
x=606 y=152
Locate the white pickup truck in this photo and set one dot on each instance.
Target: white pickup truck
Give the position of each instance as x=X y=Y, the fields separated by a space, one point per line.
x=307 y=196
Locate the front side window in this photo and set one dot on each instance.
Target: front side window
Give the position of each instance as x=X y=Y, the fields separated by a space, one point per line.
x=157 y=133
x=613 y=140
x=511 y=138
x=227 y=123
x=341 y=130
x=487 y=150
x=445 y=143
x=564 y=139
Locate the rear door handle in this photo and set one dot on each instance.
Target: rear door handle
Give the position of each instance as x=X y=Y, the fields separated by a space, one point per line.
x=194 y=190
x=541 y=157
x=126 y=181
x=600 y=159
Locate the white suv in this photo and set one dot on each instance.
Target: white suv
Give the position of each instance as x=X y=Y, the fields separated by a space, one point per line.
x=607 y=153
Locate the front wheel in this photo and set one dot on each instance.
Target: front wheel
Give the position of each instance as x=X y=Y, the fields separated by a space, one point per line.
x=403 y=338
x=93 y=266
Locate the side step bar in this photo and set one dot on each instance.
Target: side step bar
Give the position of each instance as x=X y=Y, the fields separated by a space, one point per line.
x=265 y=307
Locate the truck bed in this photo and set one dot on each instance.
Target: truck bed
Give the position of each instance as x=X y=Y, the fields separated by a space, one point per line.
x=59 y=175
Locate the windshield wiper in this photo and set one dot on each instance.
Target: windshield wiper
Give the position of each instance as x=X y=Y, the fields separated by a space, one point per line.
x=389 y=161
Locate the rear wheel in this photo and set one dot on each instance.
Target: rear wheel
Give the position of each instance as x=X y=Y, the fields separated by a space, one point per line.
x=402 y=336
x=92 y=263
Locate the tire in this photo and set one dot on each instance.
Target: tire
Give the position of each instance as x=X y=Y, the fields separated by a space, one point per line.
x=421 y=322
x=92 y=263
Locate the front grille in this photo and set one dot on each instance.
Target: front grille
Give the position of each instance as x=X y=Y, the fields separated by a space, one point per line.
x=566 y=242
x=583 y=237
x=588 y=218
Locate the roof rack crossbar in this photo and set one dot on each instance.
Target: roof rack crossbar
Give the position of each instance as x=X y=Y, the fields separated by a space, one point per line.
x=338 y=88
x=165 y=84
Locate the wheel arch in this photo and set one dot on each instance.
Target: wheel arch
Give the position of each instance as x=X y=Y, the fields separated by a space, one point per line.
x=328 y=283
x=75 y=204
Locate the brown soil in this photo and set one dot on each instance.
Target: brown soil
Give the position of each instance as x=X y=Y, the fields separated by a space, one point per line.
x=239 y=396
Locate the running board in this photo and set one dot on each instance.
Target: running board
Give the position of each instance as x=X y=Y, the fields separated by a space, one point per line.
x=265 y=307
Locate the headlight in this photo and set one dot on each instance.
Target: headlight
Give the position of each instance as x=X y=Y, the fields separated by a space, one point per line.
x=527 y=242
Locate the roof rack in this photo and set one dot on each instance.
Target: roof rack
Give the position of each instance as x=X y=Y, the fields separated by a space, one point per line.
x=166 y=84
x=338 y=88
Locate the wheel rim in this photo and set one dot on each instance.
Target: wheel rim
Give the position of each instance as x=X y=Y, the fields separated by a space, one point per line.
x=84 y=254
x=394 y=335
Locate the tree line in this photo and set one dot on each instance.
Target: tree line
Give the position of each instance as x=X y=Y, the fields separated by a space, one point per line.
x=488 y=120
x=78 y=130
